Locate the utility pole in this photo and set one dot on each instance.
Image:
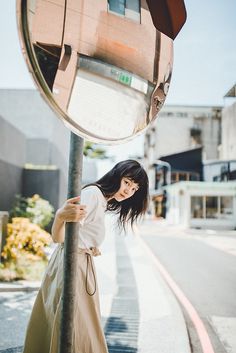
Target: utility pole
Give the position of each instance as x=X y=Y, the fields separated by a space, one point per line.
x=70 y=247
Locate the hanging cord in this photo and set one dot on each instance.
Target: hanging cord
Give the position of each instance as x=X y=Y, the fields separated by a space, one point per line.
x=89 y=259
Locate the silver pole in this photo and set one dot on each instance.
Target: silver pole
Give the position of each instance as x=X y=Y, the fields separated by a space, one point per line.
x=70 y=247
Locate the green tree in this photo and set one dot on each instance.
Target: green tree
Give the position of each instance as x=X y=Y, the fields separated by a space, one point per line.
x=92 y=151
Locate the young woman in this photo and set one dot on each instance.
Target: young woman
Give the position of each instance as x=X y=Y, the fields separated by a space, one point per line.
x=123 y=190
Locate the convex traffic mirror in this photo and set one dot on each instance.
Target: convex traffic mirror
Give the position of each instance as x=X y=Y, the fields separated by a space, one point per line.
x=101 y=65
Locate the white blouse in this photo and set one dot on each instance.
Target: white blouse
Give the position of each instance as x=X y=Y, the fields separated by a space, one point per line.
x=92 y=227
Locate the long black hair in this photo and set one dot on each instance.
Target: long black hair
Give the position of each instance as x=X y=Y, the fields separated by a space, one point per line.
x=129 y=209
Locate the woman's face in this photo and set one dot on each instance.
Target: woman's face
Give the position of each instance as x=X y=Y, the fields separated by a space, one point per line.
x=127 y=189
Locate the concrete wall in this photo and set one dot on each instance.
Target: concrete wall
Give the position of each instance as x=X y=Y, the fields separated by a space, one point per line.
x=12 y=160
x=42 y=182
x=10 y=184
x=31 y=133
x=229 y=132
x=43 y=152
x=13 y=143
x=48 y=138
x=172 y=131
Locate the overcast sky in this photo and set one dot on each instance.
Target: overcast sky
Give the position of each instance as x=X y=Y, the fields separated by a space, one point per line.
x=204 y=53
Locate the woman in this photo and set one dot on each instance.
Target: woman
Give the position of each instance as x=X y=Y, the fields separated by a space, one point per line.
x=123 y=190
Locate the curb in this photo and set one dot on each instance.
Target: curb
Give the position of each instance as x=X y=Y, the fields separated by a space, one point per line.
x=180 y=343
x=19 y=287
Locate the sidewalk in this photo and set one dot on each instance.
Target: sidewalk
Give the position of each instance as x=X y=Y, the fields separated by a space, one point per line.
x=140 y=313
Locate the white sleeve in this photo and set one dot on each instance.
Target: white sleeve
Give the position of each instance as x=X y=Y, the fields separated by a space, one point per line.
x=89 y=198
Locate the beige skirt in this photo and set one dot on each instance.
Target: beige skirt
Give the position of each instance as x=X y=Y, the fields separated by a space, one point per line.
x=42 y=335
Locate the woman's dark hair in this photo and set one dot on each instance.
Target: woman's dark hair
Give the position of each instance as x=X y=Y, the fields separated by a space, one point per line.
x=135 y=206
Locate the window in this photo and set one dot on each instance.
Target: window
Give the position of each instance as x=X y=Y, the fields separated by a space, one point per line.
x=212 y=207
x=197 y=207
x=179 y=176
x=132 y=5
x=126 y=8
x=117 y=6
x=226 y=207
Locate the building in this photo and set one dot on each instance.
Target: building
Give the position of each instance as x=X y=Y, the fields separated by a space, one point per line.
x=174 y=168
x=181 y=128
x=210 y=205
x=191 y=185
x=228 y=144
x=219 y=170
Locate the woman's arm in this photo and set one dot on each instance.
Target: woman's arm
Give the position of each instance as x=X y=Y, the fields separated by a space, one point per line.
x=69 y=212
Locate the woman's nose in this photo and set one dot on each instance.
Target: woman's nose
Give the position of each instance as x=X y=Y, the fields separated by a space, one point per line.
x=127 y=190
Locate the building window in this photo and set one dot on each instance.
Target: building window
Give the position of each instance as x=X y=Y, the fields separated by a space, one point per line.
x=212 y=207
x=126 y=8
x=184 y=176
x=117 y=6
x=196 y=207
x=226 y=207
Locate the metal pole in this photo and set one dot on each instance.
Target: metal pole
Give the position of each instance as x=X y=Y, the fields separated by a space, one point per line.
x=168 y=166
x=71 y=244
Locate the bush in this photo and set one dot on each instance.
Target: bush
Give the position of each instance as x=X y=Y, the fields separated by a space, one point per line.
x=22 y=269
x=23 y=255
x=38 y=210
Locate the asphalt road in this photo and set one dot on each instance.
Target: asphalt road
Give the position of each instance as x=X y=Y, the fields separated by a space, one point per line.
x=206 y=274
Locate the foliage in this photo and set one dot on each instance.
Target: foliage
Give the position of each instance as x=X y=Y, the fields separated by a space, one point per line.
x=24 y=250
x=91 y=151
x=38 y=210
x=22 y=269
x=24 y=236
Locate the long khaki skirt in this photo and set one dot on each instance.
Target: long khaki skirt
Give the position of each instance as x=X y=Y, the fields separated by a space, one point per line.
x=42 y=335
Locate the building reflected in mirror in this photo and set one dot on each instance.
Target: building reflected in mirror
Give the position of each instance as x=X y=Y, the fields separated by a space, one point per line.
x=106 y=65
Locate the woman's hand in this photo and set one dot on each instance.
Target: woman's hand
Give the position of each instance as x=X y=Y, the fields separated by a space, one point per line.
x=71 y=211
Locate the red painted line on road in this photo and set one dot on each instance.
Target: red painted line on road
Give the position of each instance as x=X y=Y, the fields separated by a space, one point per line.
x=200 y=328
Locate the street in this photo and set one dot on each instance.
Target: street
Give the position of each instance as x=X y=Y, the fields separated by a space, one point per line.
x=15 y=309
x=203 y=264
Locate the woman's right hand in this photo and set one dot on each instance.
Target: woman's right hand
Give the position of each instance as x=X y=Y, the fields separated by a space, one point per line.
x=71 y=211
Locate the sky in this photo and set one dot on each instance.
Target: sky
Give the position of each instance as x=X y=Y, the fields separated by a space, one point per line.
x=204 y=57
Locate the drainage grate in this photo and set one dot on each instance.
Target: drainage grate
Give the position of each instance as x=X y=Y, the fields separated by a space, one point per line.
x=121 y=329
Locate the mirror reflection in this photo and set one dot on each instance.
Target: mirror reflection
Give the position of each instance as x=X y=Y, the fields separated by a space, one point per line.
x=101 y=64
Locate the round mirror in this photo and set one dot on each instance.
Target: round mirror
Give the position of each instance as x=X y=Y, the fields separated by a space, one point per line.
x=101 y=65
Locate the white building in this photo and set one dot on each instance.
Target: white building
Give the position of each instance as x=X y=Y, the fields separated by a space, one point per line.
x=180 y=128
x=210 y=205
x=228 y=147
